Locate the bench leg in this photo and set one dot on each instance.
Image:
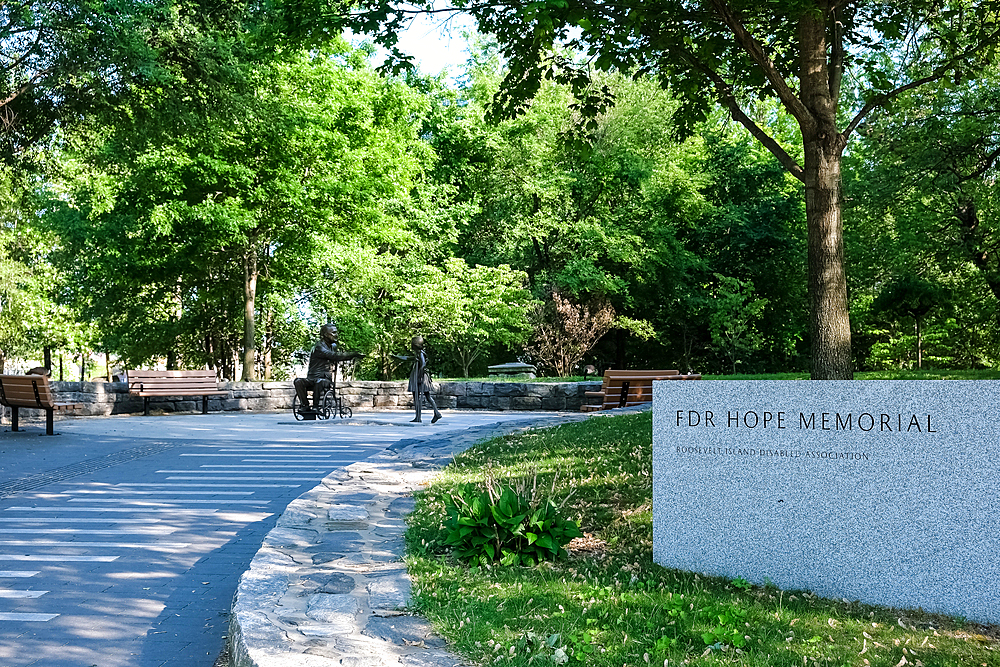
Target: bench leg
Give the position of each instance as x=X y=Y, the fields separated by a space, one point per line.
x=204 y=405
x=13 y=418
x=145 y=406
x=49 y=419
x=623 y=399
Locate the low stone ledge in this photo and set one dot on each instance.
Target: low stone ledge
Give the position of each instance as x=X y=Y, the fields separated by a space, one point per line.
x=112 y=398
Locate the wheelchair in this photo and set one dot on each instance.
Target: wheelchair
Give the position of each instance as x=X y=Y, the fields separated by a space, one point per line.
x=329 y=404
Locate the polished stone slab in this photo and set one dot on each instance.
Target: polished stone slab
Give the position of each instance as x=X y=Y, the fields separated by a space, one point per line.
x=881 y=491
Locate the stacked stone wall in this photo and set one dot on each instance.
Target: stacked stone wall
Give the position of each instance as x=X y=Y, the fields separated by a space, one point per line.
x=112 y=398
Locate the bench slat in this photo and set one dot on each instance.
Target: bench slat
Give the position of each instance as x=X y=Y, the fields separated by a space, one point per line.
x=183 y=385
x=20 y=390
x=159 y=384
x=640 y=387
x=176 y=392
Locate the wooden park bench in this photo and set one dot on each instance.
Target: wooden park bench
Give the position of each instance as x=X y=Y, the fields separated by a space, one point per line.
x=622 y=389
x=152 y=384
x=35 y=392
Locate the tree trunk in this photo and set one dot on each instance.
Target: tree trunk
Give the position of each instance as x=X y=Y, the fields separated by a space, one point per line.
x=268 y=344
x=249 y=324
x=920 y=347
x=621 y=341
x=830 y=325
x=173 y=361
x=829 y=317
x=974 y=246
x=107 y=366
x=47 y=360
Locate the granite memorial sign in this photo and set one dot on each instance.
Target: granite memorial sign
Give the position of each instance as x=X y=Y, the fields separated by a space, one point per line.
x=886 y=492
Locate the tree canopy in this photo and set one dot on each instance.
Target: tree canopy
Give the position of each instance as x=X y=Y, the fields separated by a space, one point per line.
x=733 y=52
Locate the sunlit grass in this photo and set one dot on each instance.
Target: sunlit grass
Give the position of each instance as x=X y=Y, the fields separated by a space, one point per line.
x=614 y=607
x=988 y=374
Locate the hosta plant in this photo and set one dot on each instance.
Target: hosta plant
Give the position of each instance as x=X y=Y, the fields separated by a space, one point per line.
x=506 y=525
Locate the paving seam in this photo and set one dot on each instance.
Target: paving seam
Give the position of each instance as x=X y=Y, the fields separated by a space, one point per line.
x=40 y=479
x=329 y=587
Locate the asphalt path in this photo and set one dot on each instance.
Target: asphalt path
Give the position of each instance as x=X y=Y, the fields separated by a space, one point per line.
x=122 y=539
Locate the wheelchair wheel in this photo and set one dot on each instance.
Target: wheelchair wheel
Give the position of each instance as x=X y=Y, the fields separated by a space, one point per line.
x=345 y=412
x=295 y=409
x=327 y=406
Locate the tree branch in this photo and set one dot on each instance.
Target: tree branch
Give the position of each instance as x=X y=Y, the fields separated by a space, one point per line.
x=836 y=56
x=756 y=52
x=28 y=84
x=728 y=99
x=939 y=73
x=985 y=164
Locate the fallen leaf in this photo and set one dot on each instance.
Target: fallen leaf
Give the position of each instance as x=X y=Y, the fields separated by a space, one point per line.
x=864 y=648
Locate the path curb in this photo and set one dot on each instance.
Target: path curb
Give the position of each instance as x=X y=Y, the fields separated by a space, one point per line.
x=329 y=586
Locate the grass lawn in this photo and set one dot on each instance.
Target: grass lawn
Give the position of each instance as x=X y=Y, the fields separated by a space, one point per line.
x=610 y=605
x=877 y=375
x=866 y=375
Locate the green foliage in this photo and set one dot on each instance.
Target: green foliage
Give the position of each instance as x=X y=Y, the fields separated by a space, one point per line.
x=505 y=525
x=732 y=318
x=208 y=235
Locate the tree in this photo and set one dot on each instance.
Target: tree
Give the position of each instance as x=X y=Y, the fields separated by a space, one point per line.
x=472 y=309
x=597 y=221
x=797 y=51
x=61 y=62
x=910 y=296
x=923 y=205
x=733 y=318
x=565 y=331
x=176 y=233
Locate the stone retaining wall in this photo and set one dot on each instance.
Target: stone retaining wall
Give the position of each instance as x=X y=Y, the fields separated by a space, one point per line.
x=112 y=398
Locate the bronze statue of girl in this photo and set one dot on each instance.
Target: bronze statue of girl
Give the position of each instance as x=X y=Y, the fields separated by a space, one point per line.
x=420 y=380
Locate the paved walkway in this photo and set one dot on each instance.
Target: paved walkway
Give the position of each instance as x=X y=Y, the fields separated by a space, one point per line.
x=122 y=539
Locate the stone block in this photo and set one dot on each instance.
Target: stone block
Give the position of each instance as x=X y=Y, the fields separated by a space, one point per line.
x=357 y=401
x=541 y=389
x=386 y=401
x=446 y=402
x=500 y=403
x=278 y=386
x=337 y=610
x=452 y=388
x=259 y=404
x=871 y=491
x=525 y=403
x=391 y=591
x=509 y=389
x=469 y=402
x=554 y=403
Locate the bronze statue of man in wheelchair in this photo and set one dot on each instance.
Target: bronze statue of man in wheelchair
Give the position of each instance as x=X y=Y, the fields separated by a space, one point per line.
x=321 y=378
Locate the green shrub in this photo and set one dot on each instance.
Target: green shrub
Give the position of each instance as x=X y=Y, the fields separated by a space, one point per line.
x=506 y=525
